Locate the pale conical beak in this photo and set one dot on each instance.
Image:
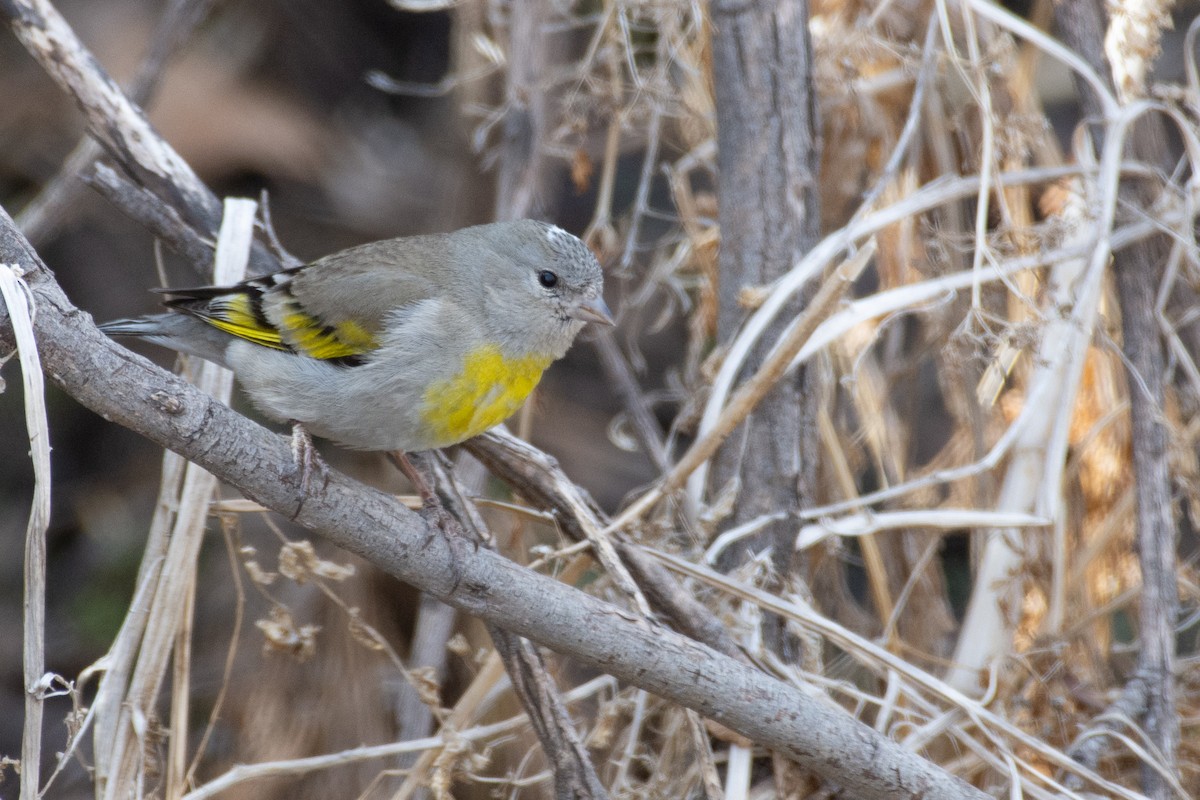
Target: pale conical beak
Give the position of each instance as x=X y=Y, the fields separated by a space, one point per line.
x=592 y=310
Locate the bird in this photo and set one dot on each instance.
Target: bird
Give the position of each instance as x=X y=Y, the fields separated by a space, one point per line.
x=407 y=344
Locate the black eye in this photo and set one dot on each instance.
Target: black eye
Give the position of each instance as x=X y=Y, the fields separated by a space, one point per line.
x=548 y=279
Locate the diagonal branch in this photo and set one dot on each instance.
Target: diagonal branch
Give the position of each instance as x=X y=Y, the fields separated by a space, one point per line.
x=48 y=210
x=539 y=479
x=117 y=124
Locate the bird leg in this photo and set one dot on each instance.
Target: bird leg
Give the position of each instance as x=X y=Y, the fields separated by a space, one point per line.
x=306 y=457
x=451 y=526
x=429 y=501
x=400 y=459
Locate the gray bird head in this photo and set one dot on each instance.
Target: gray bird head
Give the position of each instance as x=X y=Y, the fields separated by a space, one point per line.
x=544 y=284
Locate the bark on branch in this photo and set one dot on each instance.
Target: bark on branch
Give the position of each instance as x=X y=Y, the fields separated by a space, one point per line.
x=769 y=215
x=1138 y=272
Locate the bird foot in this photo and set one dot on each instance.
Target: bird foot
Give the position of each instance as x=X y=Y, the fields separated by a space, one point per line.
x=400 y=459
x=429 y=500
x=432 y=509
x=306 y=458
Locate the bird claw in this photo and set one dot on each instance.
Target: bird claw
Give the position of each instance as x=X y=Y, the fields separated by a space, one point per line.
x=306 y=459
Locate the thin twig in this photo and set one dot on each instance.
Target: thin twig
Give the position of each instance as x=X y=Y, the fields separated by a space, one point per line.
x=620 y=374
x=538 y=478
x=245 y=773
x=756 y=387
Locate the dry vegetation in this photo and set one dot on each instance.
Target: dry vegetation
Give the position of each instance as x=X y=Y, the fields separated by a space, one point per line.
x=968 y=579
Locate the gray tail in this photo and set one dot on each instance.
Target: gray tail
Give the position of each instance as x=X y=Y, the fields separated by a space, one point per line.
x=175 y=331
x=132 y=326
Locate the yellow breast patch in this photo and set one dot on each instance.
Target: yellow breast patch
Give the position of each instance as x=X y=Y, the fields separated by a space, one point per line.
x=487 y=392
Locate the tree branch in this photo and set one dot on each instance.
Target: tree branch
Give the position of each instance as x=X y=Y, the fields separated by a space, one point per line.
x=769 y=216
x=1138 y=271
x=538 y=478
x=117 y=124
x=42 y=215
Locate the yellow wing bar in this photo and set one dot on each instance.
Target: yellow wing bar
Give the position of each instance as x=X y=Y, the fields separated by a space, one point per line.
x=315 y=339
x=235 y=314
x=239 y=315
